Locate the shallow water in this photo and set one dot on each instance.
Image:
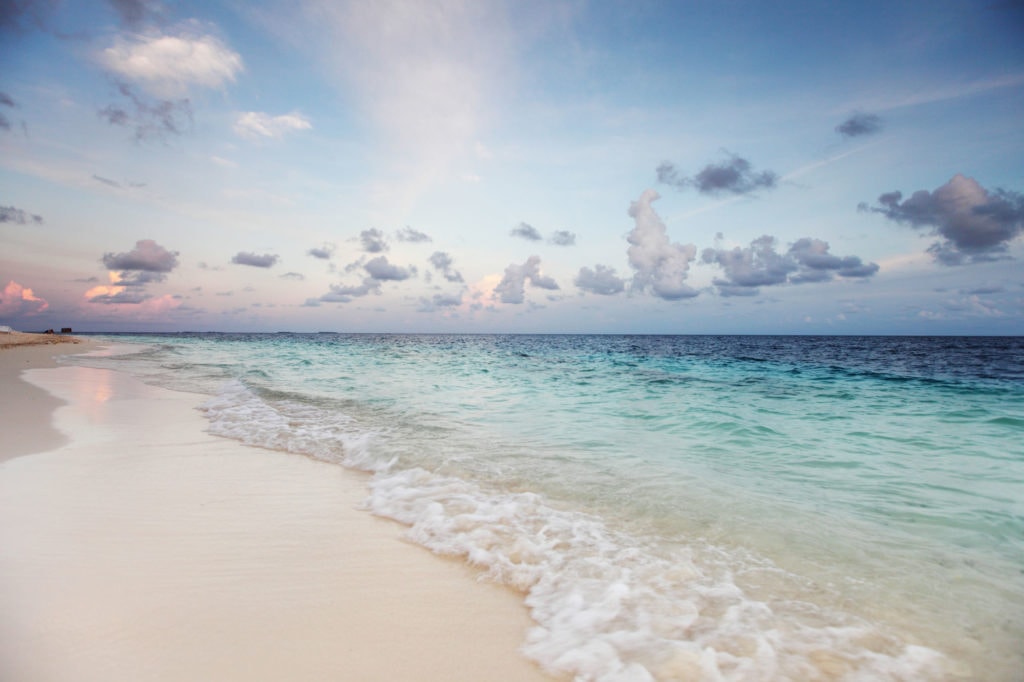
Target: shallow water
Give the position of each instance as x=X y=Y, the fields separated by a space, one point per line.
x=675 y=507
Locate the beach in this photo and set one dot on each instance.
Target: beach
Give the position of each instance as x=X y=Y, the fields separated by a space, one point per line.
x=135 y=545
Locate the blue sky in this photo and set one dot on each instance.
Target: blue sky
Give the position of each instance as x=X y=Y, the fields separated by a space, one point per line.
x=477 y=166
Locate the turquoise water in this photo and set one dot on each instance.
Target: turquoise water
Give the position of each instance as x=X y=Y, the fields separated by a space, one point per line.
x=674 y=508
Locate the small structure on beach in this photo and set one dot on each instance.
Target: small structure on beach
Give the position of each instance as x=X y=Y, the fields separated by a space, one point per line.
x=4 y=329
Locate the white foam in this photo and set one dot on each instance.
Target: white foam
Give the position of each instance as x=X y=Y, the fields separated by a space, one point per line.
x=609 y=607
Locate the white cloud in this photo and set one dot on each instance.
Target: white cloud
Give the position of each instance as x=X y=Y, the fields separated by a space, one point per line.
x=256 y=124
x=658 y=263
x=168 y=65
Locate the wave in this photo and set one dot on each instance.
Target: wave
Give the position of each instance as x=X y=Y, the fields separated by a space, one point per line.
x=608 y=606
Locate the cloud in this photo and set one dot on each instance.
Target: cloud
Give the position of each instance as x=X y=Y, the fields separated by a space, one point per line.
x=382 y=271
x=149 y=118
x=147 y=256
x=443 y=262
x=807 y=260
x=373 y=240
x=439 y=302
x=17 y=301
x=660 y=265
x=407 y=234
x=255 y=124
x=293 y=275
x=265 y=260
x=5 y=100
x=859 y=124
x=563 y=238
x=601 y=280
x=135 y=13
x=322 y=252
x=132 y=271
x=511 y=288
x=167 y=66
x=10 y=214
x=526 y=232
x=974 y=225
x=734 y=176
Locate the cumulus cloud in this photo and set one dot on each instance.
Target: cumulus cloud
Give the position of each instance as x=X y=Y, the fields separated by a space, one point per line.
x=601 y=280
x=511 y=288
x=265 y=260
x=149 y=118
x=293 y=275
x=443 y=262
x=563 y=238
x=378 y=271
x=167 y=66
x=859 y=124
x=256 y=124
x=10 y=214
x=131 y=271
x=407 y=234
x=439 y=302
x=323 y=252
x=735 y=175
x=147 y=256
x=760 y=264
x=659 y=264
x=382 y=271
x=526 y=231
x=973 y=224
x=18 y=301
x=373 y=240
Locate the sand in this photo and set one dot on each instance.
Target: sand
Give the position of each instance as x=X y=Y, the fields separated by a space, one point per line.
x=143 y=548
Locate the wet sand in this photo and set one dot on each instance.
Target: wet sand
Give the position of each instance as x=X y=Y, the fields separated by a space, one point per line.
x=137 y=546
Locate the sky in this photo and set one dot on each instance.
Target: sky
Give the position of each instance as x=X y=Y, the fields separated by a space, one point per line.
x=513 y=167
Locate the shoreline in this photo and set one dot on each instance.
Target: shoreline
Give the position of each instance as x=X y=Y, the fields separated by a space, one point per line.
x=142 y=547
x=26 y=409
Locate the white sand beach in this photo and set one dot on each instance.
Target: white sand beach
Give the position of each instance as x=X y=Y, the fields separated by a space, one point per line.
x=135 y=546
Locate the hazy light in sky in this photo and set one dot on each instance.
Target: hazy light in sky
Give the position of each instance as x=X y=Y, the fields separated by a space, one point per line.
x=496 y=166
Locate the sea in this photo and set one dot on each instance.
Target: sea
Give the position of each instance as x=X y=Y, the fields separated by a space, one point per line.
x=671 y=507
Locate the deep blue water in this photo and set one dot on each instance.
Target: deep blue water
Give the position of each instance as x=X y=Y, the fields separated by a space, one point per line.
x=674 y=507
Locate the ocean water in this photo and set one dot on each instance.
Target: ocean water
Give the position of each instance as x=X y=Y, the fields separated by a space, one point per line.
x=673 y=508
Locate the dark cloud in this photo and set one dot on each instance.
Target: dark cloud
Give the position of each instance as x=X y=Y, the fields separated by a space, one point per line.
x=147 y=256
x=511 y=289
x=343 y=294
x=151 y=119
x=382 y=271
x=807 y=260
x=322 y=252
x=135 y=13
x=21 y=16
x=601 y=280
x=439 y=302
x=734 y=175
x=859 y=124
x=407 y=234
x=659 y=265
x=526 y=232
x=563 y=238
x=974 y=224
x=373 y=241
x=5 y=100
x=10 y=214
x=106 y=181
x=293 y=275
x=265 y=260
x=443 y=262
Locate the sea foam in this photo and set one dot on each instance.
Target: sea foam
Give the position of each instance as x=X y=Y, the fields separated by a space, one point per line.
x=609 y=606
